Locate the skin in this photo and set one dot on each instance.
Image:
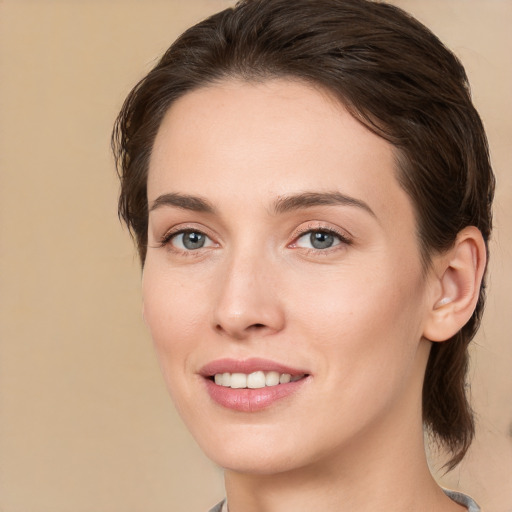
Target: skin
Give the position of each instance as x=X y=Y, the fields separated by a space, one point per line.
x=352 y=315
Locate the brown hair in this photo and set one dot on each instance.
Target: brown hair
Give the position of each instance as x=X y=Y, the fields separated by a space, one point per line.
x=396 y=78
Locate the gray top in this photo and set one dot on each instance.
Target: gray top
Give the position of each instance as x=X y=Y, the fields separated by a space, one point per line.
x=220 y=507
x=458 y=497
x=462 y=499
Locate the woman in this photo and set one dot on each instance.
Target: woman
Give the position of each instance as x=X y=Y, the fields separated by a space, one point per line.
x=309 y=188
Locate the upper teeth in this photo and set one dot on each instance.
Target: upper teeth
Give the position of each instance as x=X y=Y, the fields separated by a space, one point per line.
x=254 y=380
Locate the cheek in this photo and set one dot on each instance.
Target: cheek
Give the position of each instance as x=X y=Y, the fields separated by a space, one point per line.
x=172 y=314
x=364 y=320
x=364 y=343
x=353 y=297
x=172 y=311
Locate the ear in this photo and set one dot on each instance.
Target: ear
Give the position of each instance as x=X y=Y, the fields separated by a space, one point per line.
x=457 y=276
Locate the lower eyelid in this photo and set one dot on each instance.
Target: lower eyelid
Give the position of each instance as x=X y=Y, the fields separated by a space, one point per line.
x=341 y=238
x=208 y=241
x=168 y=235
x=167 y=238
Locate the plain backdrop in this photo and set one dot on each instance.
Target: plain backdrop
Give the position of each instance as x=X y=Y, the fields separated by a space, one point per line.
x=85 y=421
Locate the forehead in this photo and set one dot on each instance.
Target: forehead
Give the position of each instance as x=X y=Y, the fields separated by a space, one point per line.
x=267 y=139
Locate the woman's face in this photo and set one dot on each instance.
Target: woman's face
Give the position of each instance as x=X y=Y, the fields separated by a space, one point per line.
x=281 y=246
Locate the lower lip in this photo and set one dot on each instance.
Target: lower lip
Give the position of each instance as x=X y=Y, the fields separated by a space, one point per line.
x=251 y=400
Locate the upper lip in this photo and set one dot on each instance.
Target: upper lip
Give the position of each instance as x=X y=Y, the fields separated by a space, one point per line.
x=247 y=366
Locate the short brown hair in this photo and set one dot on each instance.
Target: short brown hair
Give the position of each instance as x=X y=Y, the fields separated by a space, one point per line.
x=396 y=78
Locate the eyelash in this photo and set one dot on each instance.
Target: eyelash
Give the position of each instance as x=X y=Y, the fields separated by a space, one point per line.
x=344 y=240
x=169 y=235
x=166 y=239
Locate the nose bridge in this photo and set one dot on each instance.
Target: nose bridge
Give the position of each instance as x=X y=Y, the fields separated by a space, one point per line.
x=247 y=301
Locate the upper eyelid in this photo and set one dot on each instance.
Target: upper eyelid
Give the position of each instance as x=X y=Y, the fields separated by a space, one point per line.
x=310 y=227
x=342 y=240
x=172 y=234
x=166 y=241
x=184 y=228
x=183 y=232
x=299 y=232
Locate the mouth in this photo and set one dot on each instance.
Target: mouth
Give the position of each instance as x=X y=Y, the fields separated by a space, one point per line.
x=255 y=380
x=251 y=385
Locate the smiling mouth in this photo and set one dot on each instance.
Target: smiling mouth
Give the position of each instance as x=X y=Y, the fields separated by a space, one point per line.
x=252 y=385
x=254 y=380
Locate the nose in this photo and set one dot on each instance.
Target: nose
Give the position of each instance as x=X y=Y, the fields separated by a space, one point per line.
x=248 y=304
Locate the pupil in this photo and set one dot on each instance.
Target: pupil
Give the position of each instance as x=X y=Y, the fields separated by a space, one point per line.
x=320 y=240
x=193 y=240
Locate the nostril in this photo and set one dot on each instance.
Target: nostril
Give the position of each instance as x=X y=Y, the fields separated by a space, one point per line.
x=253 y=327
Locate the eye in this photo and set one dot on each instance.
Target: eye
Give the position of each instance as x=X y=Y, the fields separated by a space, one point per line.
x=189 y=240
x=320 y=239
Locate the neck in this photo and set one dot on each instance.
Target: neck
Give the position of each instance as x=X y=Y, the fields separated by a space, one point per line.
x=370 y=484
x=374 y=482
x=384 y=468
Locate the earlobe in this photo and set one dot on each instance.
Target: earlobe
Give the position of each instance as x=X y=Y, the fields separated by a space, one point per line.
x=458 y=275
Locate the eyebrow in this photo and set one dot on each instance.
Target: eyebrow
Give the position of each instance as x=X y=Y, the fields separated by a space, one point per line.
x=283 y=204
x=310 y=199
x=183 y=201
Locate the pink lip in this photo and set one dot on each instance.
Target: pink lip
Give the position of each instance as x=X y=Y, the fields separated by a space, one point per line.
x=249 y=400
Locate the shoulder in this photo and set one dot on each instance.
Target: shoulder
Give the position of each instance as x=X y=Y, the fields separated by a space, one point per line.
x=458 y=497
x=461 y=499
x=219 y=507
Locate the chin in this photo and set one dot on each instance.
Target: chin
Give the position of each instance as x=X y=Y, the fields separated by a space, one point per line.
x=254 y=462
x=250 y=451
x=263 y=450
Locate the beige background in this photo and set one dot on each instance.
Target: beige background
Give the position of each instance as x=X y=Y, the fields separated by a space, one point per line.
x=86 y=424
